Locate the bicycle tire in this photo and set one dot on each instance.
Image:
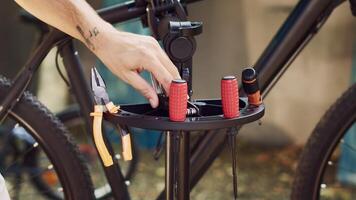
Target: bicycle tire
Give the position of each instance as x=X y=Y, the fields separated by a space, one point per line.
x=321 y=144
x=57 y=144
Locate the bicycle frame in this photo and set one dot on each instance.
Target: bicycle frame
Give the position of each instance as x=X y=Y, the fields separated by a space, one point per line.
x=304 y=22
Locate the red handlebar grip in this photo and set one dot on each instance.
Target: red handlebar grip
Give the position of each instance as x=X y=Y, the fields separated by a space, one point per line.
x=178 y=100
x=230 y=97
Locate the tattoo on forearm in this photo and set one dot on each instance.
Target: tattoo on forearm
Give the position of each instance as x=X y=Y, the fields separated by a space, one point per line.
x=92 y=33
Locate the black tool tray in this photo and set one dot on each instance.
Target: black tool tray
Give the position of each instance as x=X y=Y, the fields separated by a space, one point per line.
x=211 y=116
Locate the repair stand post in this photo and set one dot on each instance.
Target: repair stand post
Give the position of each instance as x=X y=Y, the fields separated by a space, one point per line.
x=169 y=182
x=183 y=189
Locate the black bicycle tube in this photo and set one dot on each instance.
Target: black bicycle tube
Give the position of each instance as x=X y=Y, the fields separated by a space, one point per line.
x=191 y=1
x=298 y=26
x=83 y=95
x=122 y=12
x=78 y=83
x=24 y=77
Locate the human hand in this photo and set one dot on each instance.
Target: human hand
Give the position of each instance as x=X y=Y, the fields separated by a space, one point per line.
x=127 y=54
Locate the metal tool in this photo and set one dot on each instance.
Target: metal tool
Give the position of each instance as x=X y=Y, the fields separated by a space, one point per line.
x=105 y=105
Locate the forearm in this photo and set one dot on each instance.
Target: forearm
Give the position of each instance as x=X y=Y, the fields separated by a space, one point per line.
x=74 y=17
x=125 y=54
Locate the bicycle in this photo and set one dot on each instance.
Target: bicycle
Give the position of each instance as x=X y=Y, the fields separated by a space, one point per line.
x=303 y=23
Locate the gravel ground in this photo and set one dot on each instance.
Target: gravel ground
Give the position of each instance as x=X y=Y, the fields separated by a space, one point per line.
x=264 y=173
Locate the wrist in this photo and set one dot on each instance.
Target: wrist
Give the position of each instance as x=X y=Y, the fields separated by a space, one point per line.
x=95 y=36
x=106 y=31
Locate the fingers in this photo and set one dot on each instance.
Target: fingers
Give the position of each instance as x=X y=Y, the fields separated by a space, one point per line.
x=161 y=64
x=168 y=64
x=136 y=81
x=159 y=72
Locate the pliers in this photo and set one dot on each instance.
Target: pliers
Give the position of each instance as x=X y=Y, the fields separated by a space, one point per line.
x=103 y=104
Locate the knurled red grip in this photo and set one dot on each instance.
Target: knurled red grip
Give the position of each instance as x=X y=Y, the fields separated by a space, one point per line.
x=230 y=97
x=178 y=100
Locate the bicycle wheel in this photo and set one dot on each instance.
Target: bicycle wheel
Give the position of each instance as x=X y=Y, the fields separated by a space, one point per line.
x=74 y=122
x=35 y=144
x=317 y=175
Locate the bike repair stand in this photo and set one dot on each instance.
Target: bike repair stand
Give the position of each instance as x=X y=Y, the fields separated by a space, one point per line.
x=180 y=45
x=211 y=115
x=177 y=117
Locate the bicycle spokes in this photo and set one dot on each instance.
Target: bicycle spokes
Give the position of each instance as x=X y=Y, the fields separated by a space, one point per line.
x=26 y=169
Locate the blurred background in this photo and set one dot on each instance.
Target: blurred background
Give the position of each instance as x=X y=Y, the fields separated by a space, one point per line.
x=235 y=34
